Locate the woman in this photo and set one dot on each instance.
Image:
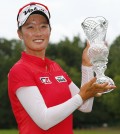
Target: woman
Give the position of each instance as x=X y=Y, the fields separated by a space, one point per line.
x=42 y=95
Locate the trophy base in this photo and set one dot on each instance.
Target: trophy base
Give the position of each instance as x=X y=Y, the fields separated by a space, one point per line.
x=104 y=79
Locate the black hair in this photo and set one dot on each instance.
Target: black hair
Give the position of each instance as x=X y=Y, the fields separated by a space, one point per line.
x=41 y=13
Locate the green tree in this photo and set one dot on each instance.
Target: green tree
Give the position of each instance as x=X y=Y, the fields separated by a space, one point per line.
x=8 y=56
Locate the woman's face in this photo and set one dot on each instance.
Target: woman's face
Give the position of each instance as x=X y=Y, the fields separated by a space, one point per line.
x=35 y=33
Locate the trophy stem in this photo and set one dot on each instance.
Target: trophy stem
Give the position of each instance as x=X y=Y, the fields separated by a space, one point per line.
x=99 y=70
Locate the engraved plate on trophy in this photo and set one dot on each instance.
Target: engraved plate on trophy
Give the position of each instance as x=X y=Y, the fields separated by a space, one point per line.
x=95 y=29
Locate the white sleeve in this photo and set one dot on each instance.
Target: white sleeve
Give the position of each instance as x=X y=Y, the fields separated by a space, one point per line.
x=33 y=102
x=87 y=74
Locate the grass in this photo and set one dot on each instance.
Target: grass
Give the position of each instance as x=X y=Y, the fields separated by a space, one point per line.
x=9 y=131
x=86 y=131
x=98 y=131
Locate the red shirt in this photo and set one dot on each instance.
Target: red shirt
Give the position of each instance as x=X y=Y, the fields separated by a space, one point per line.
x=53 y=84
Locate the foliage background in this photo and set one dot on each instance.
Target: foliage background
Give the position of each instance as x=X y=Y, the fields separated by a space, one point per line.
x=67 y=53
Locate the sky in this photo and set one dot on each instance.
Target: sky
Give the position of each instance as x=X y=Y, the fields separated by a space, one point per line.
x=66 y=17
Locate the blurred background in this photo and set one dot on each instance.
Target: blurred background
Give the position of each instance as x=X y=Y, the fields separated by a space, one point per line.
x=66 y=45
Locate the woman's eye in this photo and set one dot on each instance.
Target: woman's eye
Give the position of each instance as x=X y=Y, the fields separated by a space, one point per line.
x=29 y=27
x=44 y=26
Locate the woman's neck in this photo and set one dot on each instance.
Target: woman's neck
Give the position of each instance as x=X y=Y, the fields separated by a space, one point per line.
x=39 y=54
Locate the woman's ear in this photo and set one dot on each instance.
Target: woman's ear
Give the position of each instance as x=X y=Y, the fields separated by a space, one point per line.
x=19 y=34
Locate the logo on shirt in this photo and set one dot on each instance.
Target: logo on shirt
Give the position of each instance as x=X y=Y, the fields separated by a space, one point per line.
x=45 y=80
x=60 y=79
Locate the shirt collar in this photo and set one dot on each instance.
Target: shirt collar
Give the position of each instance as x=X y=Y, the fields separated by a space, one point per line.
x=34 y=60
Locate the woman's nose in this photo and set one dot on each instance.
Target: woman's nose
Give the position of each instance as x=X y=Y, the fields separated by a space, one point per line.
x=38 y=31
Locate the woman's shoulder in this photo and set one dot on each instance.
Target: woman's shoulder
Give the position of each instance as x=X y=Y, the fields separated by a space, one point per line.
x=53 y=62
x=18 y=67
x=54 y=65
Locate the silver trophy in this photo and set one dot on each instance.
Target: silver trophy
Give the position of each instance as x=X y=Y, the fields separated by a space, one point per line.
x=95 y=29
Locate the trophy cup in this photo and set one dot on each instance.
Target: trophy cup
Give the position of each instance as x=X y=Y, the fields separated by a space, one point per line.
x=95 y=29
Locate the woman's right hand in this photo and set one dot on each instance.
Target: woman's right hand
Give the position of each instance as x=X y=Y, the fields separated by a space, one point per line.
x=91 y=88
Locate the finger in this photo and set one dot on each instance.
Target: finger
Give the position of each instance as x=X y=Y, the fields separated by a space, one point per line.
x=88 y=44
x=92 y=81
x=106 y=85
x=110 y=86
x=98 y=95
x=97 y=85
x=101 y=86
x=107 y=88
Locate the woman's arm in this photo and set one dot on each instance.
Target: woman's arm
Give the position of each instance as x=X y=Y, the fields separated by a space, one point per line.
x=33 y=102
x=87 y=74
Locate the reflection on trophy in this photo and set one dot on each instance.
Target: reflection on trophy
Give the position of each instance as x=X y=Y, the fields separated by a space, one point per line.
x=95 y=29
